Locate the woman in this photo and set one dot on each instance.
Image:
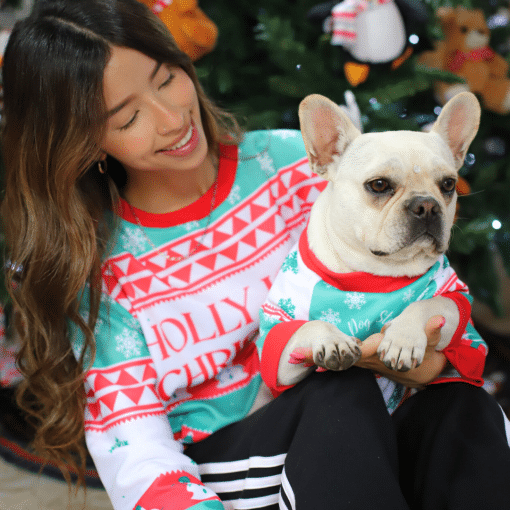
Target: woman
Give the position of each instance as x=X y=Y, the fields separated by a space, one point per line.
x=146 y=230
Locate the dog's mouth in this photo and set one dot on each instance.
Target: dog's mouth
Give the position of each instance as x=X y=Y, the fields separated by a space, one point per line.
x=426 y=237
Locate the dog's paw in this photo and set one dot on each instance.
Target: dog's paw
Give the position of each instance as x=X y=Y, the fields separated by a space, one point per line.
x=333 y=349
x=402 y=348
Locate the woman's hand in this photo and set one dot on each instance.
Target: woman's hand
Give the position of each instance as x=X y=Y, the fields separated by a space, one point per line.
x=433 y=363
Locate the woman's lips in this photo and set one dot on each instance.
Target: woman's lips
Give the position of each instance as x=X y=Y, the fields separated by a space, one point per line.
x=186 y=145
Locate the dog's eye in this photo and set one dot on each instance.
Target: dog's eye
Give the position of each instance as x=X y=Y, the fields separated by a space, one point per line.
x=464 y=29
x=448 y=186
x=379 y=186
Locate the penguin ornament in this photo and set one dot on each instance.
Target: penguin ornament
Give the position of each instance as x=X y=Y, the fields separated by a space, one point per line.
x=372 y=32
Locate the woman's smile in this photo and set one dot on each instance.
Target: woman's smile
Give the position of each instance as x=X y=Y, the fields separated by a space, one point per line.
x=186 y=145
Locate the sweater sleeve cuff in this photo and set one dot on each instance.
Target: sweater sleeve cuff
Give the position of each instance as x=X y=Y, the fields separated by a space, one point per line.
x=275 y=342
x=178 y=491
x=464 y=307
x=468 y=361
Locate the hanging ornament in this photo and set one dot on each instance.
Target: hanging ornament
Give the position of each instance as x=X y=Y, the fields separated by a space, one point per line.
x=193 y=31
x=372 y=32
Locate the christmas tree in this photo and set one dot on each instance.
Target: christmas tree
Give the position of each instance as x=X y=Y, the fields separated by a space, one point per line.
x=271 y=54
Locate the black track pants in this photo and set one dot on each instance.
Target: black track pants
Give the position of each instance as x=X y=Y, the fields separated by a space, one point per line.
x=329 y=443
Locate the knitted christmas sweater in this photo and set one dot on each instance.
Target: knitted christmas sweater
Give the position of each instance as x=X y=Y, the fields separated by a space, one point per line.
x=176 y=354
x=359 y=304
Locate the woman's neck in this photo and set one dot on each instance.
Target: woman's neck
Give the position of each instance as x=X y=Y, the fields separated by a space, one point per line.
x=164 y=192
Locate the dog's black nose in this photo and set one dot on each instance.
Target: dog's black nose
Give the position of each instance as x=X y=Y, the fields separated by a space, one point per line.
x=424 y=207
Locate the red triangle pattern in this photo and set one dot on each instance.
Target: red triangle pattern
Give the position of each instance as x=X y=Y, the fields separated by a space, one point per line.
x=95 y=409
x=134 y=394
x=183 y=274
x=132 y=384
x=126 y=379
x=269 y=225
x=257 y=211
x=101 y=382
x=219 y=238
x=110 y=282
x=239 y=222
x=149 y=373
x=144 y=284
x=129 y=290
x=109 y=400
x=209 y=261
x=230 y=252
x=251 y=239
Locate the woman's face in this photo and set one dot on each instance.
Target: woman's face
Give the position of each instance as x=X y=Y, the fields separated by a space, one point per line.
x=154 y=121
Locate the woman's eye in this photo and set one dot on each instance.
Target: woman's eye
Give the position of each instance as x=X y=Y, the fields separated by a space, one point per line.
x=379 y=186
x=130 y=122
x=167 y=81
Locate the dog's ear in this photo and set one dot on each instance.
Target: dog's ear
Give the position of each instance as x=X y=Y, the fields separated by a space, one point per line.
x=458 y=124
x=327 y=132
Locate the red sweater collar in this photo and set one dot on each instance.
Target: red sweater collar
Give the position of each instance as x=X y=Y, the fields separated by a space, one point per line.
x=356 y=281
x=197 y=210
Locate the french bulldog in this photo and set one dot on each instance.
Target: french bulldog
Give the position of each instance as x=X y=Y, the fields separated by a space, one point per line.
x=387 y=210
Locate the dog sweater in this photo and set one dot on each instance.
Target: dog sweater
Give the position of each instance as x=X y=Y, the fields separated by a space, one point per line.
x=176 y=355
x=359 y=304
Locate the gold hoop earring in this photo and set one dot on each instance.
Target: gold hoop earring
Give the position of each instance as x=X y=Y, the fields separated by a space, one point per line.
x=101 y=169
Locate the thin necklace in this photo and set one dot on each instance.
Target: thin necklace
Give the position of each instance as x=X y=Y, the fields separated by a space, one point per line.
x=197 y=245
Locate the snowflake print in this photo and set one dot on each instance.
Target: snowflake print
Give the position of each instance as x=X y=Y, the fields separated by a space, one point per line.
x=355 y=300
x=99 y=325
x=132 y=323
x=134 y=240
x=287 y=133
x=408 y=296
x=128 y=343
x=78 y=346
x=288 y=307
x=192 y=225
x=331 y=316
x=78 y=343
x=266 y=163
x=268 y=321
x=234 y=195
x=290 y=263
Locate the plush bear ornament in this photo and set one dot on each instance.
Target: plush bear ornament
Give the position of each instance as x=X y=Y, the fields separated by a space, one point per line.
x=465 y=51
x=193 y=31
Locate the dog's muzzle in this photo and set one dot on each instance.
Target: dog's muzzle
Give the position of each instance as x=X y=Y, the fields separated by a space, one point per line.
x=425 y=219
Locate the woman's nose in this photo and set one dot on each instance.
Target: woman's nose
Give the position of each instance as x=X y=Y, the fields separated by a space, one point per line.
x=167 y=118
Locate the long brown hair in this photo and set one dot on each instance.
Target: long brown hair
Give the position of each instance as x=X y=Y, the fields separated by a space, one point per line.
x=55 y=198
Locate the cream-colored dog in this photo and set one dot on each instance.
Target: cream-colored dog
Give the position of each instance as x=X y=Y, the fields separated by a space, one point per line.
x=387 y=210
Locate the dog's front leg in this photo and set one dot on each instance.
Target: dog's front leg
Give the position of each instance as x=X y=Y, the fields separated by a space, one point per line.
x=332 y=350
x=404 y=343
